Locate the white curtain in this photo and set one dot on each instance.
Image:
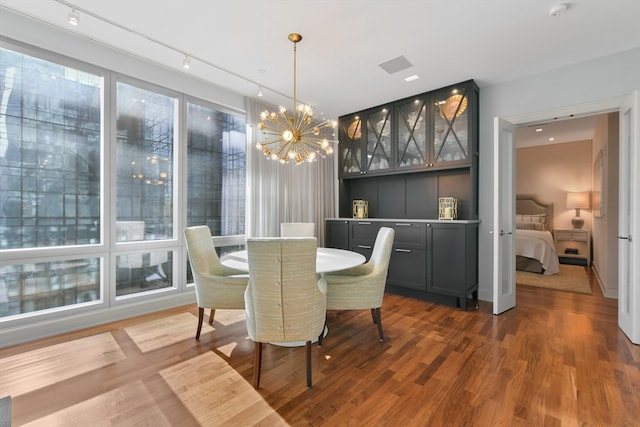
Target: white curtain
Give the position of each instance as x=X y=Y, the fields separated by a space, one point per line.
x=279 y=192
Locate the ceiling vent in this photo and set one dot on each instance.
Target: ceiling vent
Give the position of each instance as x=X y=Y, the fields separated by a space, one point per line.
x=396 y=64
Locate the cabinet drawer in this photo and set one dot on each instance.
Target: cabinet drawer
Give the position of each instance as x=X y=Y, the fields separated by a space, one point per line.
x=364 y=231
x=408 y=234
x=407 y=268
x=579 y=236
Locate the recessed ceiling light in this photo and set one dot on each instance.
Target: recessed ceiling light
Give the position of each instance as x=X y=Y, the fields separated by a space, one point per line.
x=552 y=139
x=539 y=130
x=411 y=78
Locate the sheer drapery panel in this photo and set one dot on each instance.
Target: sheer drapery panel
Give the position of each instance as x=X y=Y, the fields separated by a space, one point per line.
x=279 y=192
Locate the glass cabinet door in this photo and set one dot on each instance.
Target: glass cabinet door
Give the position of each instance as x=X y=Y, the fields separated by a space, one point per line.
x=378 y=133
x=350 y=146
x=412 y=148
x=451 y=130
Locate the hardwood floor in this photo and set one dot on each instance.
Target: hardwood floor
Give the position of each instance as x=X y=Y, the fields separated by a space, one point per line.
x=556 y=359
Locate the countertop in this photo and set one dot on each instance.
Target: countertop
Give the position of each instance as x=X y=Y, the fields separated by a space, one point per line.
x=455 y=221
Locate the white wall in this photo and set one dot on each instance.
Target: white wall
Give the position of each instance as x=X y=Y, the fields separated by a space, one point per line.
x=550 y=171
x=605 y=227
x=587 y=83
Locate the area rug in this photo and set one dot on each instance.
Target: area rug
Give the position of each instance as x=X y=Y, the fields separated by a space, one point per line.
x=572 y=278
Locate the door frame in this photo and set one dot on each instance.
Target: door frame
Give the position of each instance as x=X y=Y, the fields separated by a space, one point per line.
x=595 y=107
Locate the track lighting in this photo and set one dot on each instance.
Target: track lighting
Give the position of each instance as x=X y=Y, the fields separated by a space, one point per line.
x=186 y=62
x=74 y=17
x=260 y=91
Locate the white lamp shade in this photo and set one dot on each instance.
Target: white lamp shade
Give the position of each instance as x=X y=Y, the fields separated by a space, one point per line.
x=579 y=200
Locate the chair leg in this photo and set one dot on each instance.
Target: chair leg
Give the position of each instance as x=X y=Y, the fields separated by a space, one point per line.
x=321 y=336
x=213 y=313
x=200 y=318
x=308 y=364
x=378 y=320
x=257 y=363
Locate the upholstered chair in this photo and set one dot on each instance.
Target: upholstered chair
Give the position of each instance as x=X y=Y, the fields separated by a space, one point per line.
x=297 y=229
x=217 y=286
x=362 y=287
x=283 y=301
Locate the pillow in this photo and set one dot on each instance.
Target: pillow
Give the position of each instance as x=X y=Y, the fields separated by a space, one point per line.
x=535 y=219
x=529 y=226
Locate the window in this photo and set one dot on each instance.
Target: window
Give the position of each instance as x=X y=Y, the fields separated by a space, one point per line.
x=145 y=122
x=216 y=170
x=50 y=122
x=57 y=246
x=50 y=144
x=216 y=154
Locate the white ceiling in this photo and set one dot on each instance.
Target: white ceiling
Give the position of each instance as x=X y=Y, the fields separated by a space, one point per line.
x=242 y=44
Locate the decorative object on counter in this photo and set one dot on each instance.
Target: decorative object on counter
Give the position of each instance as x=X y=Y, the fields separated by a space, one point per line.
x=448 y=208
x=577 y=201
x=296 y=135
x=360 y=209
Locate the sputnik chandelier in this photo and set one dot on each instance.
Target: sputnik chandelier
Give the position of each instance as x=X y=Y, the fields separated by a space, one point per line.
x=294 y=136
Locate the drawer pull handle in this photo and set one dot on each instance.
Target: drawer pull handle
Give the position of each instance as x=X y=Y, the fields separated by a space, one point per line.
x=404 y=224
x=404 y=250
x=364 y=223
x=364 y=247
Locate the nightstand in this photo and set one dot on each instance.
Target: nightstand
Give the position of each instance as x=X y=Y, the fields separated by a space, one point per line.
x=569 y=239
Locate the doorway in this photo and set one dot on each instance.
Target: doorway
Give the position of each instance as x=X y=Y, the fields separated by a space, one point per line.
x=558 y=157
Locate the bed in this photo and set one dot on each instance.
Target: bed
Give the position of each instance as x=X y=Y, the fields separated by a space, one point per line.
x=535 y=249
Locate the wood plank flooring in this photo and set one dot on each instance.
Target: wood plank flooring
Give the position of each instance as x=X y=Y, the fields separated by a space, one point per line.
x=556 y=359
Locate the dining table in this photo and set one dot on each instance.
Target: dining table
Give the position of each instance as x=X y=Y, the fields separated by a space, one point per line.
x=328 y=260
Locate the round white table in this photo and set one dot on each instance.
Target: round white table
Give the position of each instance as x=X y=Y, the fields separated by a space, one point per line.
x=327 y=260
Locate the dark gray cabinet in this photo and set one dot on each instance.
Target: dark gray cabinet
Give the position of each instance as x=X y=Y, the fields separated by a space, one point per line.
x=454 y=260
x=430 y=131
x=432 y=260
x=336 y=234
x=366 y=143
x=403 y=156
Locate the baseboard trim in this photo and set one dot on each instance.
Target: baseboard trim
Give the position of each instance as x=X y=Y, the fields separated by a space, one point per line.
x=47 y=328
x=608 y=293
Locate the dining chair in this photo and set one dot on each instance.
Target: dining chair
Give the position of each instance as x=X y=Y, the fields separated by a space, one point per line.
x=297 y=229
x=217 y=286
x=362 y=287
x=283 y=301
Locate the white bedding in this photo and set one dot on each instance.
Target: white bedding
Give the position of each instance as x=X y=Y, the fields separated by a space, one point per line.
x=538 y=245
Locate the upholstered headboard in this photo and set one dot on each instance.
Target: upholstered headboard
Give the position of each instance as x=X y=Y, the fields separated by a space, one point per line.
x=528 y=204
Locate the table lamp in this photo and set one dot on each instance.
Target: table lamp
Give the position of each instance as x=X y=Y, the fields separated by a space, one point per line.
x=577 y=201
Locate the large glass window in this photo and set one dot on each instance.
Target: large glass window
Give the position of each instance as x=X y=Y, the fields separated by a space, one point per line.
x=50 y=157
x=144 y=203
x=216 y=170
x=50 y=140
x=216 y=155
x=56 y=245
x=145 y=124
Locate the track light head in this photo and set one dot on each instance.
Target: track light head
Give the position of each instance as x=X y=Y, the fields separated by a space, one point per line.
x=186 y=62
x=558 y=9
x=74 y=17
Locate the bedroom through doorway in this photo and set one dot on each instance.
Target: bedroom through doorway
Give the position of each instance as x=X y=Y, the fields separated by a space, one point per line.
x=554 y=158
